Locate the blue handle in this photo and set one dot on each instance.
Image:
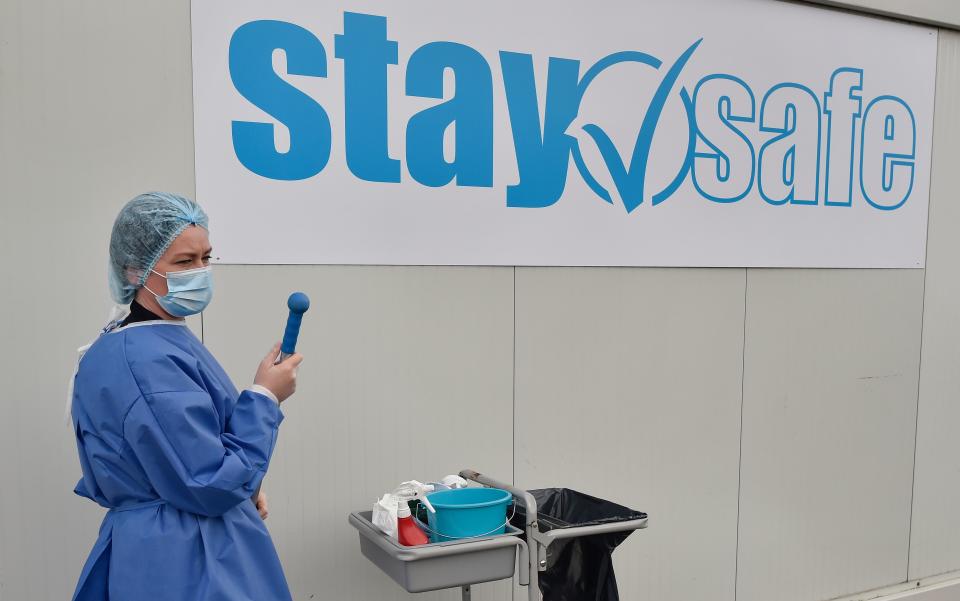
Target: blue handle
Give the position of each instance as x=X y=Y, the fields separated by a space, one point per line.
x=298 y=303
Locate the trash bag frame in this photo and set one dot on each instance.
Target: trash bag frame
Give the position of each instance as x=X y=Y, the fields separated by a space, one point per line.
x=536 y=555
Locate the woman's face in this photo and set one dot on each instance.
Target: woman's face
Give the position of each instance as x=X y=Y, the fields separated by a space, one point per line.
x=190 y=250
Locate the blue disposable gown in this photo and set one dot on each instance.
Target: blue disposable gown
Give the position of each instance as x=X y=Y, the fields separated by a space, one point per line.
x=174 y=452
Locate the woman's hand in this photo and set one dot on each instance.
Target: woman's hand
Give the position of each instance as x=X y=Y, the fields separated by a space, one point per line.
x=280 y=378
x=262 y=505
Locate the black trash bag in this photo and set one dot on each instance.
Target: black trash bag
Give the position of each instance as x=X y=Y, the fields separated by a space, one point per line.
x=578 y=569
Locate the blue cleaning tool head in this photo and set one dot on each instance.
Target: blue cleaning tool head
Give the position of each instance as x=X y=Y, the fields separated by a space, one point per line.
x=298 y=302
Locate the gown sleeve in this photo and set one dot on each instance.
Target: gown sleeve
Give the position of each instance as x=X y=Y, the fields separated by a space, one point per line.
x=191 y=462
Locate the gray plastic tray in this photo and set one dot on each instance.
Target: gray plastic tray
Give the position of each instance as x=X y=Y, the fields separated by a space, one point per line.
x=438 y=565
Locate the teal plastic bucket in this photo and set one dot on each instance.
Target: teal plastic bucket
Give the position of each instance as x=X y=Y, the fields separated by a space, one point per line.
x=467 y=513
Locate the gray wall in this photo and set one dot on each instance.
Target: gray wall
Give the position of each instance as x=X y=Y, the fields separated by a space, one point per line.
x=791 y=432
x=945 y=13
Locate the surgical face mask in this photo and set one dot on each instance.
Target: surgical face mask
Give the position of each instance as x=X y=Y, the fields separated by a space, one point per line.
x=188 y=292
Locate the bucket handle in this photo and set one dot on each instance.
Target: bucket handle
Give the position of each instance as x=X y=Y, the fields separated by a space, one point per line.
x=441 y=535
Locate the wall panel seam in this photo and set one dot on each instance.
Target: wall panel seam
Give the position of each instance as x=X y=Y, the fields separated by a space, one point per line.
x=513 y=476
x=923 y=307
x=743 y=370
x=513 y=456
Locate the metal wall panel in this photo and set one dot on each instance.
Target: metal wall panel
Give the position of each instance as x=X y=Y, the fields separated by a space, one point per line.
x=628 y=388
x=95 y=107
x=408 y=373
x=935 y=537
x=829 y=406
x=945 y=13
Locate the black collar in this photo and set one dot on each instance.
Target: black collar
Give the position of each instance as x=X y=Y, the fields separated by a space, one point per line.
x=139 y=313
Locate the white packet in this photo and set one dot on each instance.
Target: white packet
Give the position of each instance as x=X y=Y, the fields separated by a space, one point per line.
x=385 y=515
x=453 y=481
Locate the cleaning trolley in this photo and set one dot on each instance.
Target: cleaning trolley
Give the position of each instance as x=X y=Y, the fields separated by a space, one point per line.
x=546 y=524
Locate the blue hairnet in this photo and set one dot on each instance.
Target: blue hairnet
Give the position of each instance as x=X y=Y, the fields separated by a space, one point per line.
x=143 y=231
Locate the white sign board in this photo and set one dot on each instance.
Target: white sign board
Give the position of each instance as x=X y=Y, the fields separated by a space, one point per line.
x=649 y=133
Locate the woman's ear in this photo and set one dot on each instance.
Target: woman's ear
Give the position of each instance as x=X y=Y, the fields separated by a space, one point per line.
x=133 y=275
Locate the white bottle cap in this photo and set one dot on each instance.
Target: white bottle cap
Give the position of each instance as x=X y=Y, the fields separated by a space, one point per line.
x=403 y=510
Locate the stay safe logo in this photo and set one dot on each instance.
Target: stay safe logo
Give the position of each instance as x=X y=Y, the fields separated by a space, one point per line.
x=790 y=145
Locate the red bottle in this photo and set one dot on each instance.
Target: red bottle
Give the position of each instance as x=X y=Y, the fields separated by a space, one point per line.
x=408 y=533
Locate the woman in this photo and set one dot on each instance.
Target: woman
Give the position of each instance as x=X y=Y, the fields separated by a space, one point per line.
x=166 y=442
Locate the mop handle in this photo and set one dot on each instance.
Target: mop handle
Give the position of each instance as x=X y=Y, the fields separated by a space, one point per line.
x=298 y=303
